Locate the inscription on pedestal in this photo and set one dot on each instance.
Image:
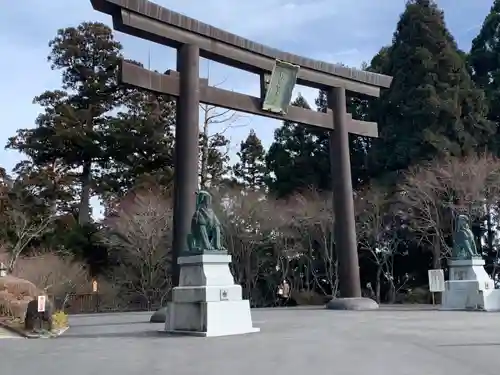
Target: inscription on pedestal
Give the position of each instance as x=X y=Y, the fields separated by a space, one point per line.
x=224 y=295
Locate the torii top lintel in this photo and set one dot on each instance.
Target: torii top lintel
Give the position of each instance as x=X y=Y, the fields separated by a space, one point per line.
x=150 y=21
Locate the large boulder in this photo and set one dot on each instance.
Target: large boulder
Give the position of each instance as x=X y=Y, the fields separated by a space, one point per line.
x=15 y=295
x=38 y=320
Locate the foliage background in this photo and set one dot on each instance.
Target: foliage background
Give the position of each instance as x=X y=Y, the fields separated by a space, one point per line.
x=436 y=156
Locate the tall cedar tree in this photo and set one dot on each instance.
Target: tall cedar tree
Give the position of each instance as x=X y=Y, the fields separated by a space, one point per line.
x=484 y=59
x=359 y=146
x=52 y=183
x=299 y=156
x=432 y=107
x=296 y=159
x=70 y=127
x=110 y=153
x=251 y=170
x=140 y=139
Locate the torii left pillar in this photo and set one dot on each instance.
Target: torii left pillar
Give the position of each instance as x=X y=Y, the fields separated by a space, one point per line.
x=205 y=299
x=186 y=150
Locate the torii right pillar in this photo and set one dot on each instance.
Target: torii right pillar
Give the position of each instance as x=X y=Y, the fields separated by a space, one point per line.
x=343 y=205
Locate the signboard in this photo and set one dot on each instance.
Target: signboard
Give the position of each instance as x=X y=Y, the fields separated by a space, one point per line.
x=41 y=303
x=280 y=87
x=436 y=281
x=3 y=270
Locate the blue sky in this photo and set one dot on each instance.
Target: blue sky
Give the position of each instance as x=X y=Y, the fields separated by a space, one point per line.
x=330 y=30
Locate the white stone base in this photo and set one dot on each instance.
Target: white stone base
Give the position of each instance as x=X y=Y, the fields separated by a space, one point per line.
x=210 y=319
x=470 y=287
x=207 y=302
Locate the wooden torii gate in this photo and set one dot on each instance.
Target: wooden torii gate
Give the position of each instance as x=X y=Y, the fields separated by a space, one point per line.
x=193 y=39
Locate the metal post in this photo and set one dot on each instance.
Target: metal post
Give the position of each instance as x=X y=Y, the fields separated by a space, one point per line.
x=186 y=150
x=345 y=229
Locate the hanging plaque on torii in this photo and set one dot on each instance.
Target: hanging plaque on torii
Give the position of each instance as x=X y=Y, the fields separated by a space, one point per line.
x=277 y=88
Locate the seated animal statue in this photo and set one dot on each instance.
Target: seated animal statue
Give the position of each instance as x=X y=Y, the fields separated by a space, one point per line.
x=205 y=227
x=464 y=244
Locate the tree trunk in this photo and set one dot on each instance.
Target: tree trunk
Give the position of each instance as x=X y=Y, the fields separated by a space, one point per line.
x=436 y=253
x=490 y=228
x=377 y=283
x=86 y=180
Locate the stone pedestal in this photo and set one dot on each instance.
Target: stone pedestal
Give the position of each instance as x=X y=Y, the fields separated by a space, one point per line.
x=469 y=287
x=207 y=302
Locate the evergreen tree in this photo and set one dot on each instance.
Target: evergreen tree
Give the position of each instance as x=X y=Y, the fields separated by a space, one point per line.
x=214 y=159
x=358 y=145
x=432 y=106
x=70 y=126
x=251 y=170
x=484 y=60
x=299 y=158
x=140 y=140
x=107 y=154
x=296 y=159
x=54 y=185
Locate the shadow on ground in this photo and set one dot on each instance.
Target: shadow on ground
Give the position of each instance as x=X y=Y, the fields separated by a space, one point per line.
x=103 y=335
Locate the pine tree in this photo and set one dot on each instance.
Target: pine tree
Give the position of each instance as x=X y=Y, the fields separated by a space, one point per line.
x=70 y=126
x=251 y=170
x=432 y=107
x=107 y=154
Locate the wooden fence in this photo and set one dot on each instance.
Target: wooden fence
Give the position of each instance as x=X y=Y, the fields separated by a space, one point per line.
x=88 y=303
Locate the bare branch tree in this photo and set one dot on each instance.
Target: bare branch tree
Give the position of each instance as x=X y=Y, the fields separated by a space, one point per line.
x=310 y=218
x=433 y=193
x=139 y=236
x=379 y=234
x=25 y=228
x=213 y=115
x=59 y=277
x=247 y=220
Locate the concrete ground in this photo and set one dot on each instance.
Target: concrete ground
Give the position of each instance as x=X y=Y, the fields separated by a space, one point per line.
x=402 y=341
x=6 y=334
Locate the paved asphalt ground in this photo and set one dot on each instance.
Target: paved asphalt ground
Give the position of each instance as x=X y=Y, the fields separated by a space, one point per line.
x=400 y=341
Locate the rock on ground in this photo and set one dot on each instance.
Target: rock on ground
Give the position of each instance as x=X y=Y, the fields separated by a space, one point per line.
x=159 y=316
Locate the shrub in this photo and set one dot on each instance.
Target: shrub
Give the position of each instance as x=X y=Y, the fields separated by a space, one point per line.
x=57 y=276
x=59 y=319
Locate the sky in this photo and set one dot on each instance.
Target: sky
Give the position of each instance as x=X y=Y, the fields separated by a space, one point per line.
x=330 y=30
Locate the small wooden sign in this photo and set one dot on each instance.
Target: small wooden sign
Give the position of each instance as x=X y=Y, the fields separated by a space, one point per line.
x=436 y=281
x=41 y=303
